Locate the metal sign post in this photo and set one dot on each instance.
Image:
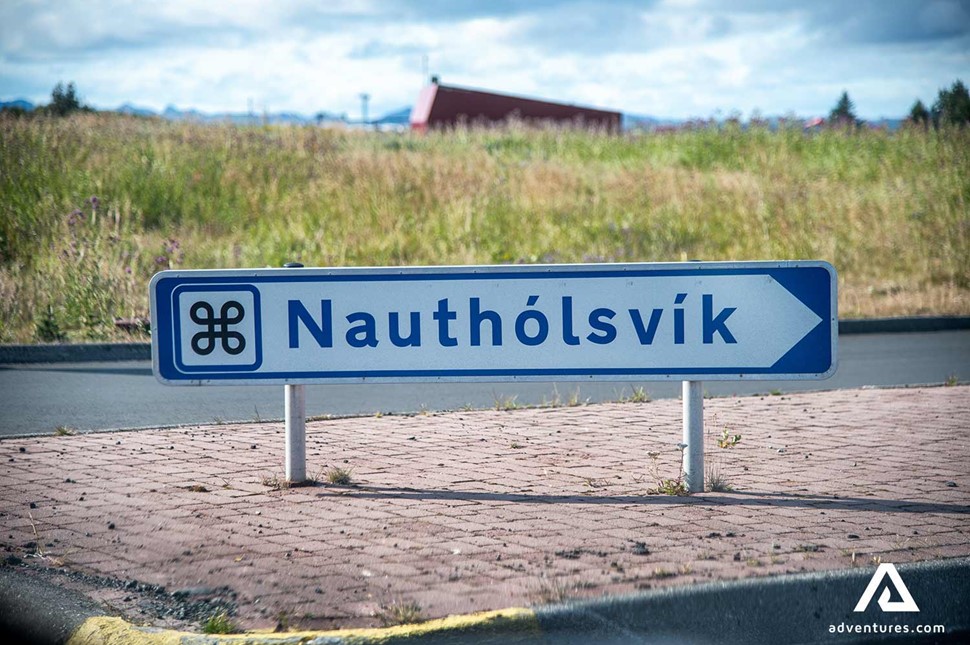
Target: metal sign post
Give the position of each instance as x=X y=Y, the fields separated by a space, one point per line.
x=295 y=415
x=689 y=321
x=693 y=461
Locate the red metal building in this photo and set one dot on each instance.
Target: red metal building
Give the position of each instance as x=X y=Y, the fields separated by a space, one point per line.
x=444 y=106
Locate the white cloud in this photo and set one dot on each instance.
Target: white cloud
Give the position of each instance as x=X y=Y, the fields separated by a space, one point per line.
x=670 y=58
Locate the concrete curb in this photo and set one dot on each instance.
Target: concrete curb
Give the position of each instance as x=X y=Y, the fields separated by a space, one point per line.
x=102 y=352
x=800 y=608
x=904 y=325
x=79 y=353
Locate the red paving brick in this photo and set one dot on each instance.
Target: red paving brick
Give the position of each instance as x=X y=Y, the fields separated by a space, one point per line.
x=464 y=511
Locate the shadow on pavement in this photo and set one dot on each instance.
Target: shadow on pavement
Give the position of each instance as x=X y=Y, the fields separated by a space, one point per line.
x=734 y=498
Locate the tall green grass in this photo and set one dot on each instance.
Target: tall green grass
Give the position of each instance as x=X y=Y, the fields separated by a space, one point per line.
x=890 y=210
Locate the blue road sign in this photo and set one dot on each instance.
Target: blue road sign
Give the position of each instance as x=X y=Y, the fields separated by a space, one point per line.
x=657 y=321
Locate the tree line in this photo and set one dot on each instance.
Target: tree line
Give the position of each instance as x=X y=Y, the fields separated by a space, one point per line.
x=952 y=107
x=64 y=101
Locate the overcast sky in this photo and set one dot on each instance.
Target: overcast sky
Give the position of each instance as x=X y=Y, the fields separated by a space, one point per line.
x=673 y=58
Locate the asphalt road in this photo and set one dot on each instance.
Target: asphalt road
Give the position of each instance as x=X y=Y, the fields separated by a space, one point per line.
x=36 y=399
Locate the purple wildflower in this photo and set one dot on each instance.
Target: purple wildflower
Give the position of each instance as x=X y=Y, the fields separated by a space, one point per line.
x=94 y=201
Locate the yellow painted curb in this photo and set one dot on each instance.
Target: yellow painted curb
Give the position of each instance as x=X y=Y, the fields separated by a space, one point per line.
x=505 y=625
x=105 y=630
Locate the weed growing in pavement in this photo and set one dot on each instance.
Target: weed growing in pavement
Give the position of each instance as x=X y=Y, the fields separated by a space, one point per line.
x=38 y=551
x=340 y=476
x=595 y=483
x=951 y=380
x=282 y=621
x=555 y=401
x=219 y=623
x=853 y=560
x=675 y=487
x=506 y=403
x=274 y=481
x=727 y=440
x=51 y=559
x=64 y=431
x=716 y=480
x=551 y=592
x=639 y=395
x=574 y=399
x=401 y=612
x=667 y=485
x=661 y=573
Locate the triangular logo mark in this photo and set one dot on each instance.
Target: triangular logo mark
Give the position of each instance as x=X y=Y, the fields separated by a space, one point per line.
x=886 y=569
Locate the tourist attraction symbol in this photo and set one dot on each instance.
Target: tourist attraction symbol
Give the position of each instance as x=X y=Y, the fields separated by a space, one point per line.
x=634 y=322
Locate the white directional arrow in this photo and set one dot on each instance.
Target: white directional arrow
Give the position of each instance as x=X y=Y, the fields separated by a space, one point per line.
x=767 y=322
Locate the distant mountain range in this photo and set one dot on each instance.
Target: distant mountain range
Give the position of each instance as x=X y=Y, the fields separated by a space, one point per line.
x=19 y=104
x=172 y=113
x=394 y=119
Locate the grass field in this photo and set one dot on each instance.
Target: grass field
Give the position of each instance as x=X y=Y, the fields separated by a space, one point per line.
x=91 y=206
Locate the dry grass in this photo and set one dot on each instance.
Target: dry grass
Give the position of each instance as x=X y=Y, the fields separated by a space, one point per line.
x=401 y=612
x=340 y=476
x=890 y=211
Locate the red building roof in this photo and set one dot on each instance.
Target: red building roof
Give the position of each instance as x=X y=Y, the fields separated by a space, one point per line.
x=443 y=106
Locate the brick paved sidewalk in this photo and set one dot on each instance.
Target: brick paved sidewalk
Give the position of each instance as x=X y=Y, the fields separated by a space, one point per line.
x=465 y=511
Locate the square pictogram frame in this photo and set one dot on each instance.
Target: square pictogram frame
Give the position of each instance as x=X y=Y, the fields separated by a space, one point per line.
x=257 y=329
